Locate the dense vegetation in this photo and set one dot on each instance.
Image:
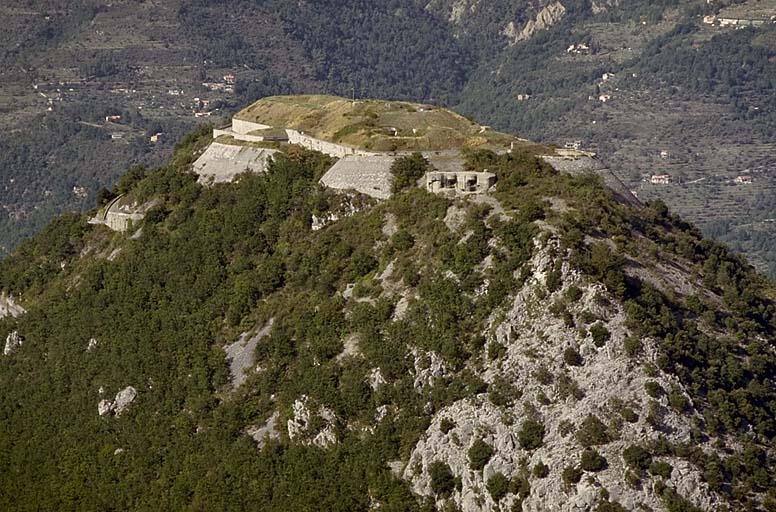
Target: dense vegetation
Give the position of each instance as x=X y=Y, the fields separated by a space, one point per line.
x=211 y=263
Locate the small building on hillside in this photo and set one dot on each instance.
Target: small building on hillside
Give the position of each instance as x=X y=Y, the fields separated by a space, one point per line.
x=744 y=179
x=660 y=179
x=573 y=144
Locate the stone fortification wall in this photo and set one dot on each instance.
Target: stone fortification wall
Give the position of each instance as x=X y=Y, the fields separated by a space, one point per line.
x=217 y=132
x=222 y=162
x=119 y=216
x=242 y=127
x=370 y=175
x=120 y=221
x=328 y=148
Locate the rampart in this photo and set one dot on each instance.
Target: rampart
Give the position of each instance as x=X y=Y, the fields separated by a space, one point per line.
x=244 y=127
x=328 y=148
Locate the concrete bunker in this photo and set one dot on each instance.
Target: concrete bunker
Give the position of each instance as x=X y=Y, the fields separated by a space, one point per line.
x=460 y=182
x=122 y=213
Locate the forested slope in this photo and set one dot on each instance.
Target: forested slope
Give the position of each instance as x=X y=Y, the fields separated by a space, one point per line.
x=385 y=327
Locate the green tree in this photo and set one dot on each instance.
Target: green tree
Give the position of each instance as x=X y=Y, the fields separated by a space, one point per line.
x=407 y=170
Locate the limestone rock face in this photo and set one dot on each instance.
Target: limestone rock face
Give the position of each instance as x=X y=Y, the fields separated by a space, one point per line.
x=543 y=387
x=9 y=307
x=302 y=427
x=104 y=407
x=123 y=399
x=241 y=354
x=428 y=366
x=12 y=342
x=545 y=18
x=119 y=404
x=267 y=431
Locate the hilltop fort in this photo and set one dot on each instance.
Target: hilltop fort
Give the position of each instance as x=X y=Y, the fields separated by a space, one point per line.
x=366 y=137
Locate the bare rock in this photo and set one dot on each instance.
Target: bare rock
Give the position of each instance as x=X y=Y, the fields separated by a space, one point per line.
x=9 y=307
x=375 y=378
x=12 y=342
x=123 y=399
x=266 y=432
x=428 y=366
x=104 y=407
x=241 y=354
x=301 y=425
x=534 y=340
x=545 y=18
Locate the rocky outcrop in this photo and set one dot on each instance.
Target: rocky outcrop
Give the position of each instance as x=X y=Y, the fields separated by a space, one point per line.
x=241 y=354
x=12 y=342
x=553 y=372
x=120 y=403
x=302 y=426
x=545 y=18
x=428 y=367
x=268 y=431
x=9 y=307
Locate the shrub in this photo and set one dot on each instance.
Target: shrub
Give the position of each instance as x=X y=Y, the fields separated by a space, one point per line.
x=571 y=475
x=442 y=480
x=592 y=432
x=407 y=171
x=587 y=317
x=610 y=506
x=574 y=293
x=566 y=386
x=600 y=334
x=655 y=414
x=402 y=241
x=496 y=350
x=633 y=479
x=531 y=435
x=629 y=415
x=637 y=457
x=540 y=470
x=543 y=375
x=446 y=425
x=654 y=389
x=572 y=357
x=521 y=488
x=498 y=486
x=502 y=393
x=632 y=346
x=554 y=279
x=660 y=468
x=593 y=461
x=678 y=401
x=479 y=454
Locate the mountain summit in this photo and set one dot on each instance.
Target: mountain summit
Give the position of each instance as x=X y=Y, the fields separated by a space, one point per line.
x=266 y=340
